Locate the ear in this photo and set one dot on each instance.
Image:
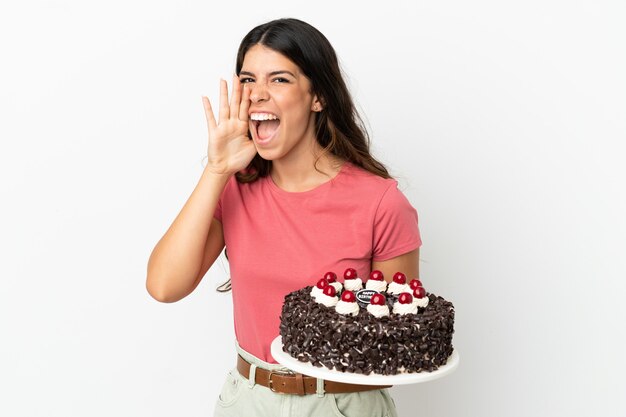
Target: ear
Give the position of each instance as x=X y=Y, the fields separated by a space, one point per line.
x=317 y=105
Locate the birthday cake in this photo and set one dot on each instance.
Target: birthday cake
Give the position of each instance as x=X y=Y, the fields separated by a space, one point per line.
x=368 y=327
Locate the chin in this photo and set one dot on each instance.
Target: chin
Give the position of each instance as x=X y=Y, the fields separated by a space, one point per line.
x=268 y=155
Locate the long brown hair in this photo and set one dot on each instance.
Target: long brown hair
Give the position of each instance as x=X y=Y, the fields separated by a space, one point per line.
x=339 y=128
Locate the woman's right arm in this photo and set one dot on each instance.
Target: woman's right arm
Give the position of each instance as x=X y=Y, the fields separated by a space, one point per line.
x=174 y=267
x=195 y=239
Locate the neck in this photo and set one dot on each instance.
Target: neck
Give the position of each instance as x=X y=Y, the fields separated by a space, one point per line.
x=298 y=173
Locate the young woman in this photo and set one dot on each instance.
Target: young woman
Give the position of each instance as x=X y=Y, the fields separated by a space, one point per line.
x=292 y=191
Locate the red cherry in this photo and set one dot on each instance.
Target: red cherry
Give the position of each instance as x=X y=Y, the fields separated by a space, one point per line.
x=348 y=296
x=378 y=299
x=415 y=283
x=405 y=298
x=330 y=291
x=377 y=276
x=350 y=273
x=419 y=292
x=321 y=284
x=399 y=278
x=330 y=277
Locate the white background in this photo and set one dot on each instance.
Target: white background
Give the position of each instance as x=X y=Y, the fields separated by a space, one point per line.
x=503 y=121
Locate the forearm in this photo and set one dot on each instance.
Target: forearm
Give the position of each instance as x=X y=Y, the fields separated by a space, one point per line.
x=177 y=258
x=407 y=264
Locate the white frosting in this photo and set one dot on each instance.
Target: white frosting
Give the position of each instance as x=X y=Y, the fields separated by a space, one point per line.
x=379 y=286
x=327 y=300
x=420 y=302
x=378 y=311
x=346 y=307
x=315 y=292
x=399 y=308
x=337 y=286
x=395 y=288
x=353 y=284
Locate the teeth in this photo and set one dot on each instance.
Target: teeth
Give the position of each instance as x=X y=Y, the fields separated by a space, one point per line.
x=263 y=116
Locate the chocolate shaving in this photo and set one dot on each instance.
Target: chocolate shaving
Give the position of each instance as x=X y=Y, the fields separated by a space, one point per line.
x=363 y=344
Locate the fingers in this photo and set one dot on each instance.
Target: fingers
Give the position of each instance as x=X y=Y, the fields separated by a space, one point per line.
x=208 y=113
x=236 y=97
x=238 y=105
x=245 y=103
x=240 y=102
x=224 y=108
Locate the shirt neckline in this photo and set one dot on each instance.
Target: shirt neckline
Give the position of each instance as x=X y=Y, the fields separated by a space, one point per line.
x=310 y=192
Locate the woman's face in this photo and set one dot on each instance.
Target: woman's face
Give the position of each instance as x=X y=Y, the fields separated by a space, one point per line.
x=282 y=105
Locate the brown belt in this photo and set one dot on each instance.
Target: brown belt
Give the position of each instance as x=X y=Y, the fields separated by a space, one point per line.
x=293 y=383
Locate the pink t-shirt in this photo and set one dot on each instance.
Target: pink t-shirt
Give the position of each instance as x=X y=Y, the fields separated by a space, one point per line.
x=279 y=241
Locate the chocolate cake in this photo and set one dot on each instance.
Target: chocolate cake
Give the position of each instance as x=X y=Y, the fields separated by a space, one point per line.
x=398 y=329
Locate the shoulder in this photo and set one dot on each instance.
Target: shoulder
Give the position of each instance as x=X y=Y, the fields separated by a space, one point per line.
x=382 y=192
x=359 y=179
x=236 y=194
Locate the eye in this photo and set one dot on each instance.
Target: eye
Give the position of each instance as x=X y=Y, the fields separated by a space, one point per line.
x=281 y=80
x=245 y=80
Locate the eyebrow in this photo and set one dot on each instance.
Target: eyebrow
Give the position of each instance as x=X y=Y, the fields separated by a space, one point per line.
x=270 y=73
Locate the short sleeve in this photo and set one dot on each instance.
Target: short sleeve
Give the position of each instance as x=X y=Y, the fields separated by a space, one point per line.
x=395 y=226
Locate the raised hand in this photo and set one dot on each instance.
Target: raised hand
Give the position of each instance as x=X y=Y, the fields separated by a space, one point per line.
x=230 y=148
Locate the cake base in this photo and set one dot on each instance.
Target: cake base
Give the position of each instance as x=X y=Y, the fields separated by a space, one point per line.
x=305 y=368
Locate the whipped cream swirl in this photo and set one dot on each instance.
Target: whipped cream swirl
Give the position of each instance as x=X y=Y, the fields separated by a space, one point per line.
x=399 y=308
x=378 y=311
x=395 y=288
x=420 y=302
x=337 y=285
x=353 y=284
x=346 y=307
x=327 y=300
x=379 y=286
x=315 y=292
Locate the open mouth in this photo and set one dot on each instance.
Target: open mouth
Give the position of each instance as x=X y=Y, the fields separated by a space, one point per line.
x=265 y=125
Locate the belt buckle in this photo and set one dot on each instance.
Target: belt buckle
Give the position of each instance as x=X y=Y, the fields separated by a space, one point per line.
x=270 y=383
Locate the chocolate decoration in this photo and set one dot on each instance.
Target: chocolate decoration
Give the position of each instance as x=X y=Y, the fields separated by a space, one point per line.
x=363 y=344
x=364 y=296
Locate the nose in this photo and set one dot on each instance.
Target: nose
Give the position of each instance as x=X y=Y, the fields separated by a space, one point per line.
x=258 y=92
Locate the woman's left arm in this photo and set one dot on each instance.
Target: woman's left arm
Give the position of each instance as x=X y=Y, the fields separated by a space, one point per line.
x=407 y=264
